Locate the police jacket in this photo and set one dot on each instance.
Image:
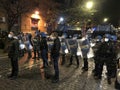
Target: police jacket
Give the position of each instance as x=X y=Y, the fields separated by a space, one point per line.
x=56 y=47
x=105 y=50
x=13 y=48
x=43 y=44
x=36 y=42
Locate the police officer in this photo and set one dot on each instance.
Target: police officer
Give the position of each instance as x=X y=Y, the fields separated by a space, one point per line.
x=105 y=53
x=73 y=51
x=85 y=46
x=113 y=40
x=55 y=53
x=44 y=49
x=36 y=45
x=98 y=42
x=13 y=54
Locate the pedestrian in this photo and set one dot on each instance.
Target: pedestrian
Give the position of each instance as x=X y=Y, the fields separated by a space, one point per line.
x=13 y=54
x=44 y=50
x=55 y=53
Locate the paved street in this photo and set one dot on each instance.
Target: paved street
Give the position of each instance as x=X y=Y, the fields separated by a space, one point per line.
x=31 y=77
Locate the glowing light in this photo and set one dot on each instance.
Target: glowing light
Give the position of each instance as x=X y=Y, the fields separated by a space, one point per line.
x=89 y=5
x=66 y=50
x=61 y=19
x=22 y=46
x=105 y=19
x=92 y=44
x=36 y=16
x=36 y=12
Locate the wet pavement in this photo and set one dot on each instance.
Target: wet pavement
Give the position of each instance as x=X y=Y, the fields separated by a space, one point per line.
x=31 y=76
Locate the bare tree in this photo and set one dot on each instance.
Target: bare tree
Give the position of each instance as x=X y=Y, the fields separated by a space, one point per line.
x=50 y=12
x=13 y=10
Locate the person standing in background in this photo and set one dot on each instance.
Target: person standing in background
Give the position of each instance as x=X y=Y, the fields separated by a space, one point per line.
x=13 y=54
x=55 y=53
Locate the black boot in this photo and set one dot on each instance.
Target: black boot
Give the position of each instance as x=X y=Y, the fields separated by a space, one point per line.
x=85 y=67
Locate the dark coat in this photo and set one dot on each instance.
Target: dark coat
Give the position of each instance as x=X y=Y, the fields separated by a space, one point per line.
x=43 y=44
x=13 y=49
x=105 y=52
x=55 y=51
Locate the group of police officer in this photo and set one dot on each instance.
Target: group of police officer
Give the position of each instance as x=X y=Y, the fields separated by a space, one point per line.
x=105 y=53
x=40 y=48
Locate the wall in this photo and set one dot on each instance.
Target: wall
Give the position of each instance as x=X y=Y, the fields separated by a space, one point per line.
x=26 y=24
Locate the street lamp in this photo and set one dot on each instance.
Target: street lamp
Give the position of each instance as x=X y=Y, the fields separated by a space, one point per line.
x=61 y=20
x=105 y=19
x=89 y=5
x=35 y=15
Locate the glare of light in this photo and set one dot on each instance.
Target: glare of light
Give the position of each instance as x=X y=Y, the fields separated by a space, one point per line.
x=36 y=16
x=37 y=12
x=22 y=46
x=66 y=50
x=61 y=19
x=119 y=74
x=90 y=55
x=89 y=5
x=92 y=44
x=78 y=53
x=119 y=28
x=78 y=28
x=105 y=19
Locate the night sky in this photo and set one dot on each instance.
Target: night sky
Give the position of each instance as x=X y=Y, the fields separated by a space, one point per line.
x=111 y=9
x=108 y=8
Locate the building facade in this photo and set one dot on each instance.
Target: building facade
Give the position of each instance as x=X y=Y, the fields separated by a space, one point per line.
x=29 y=22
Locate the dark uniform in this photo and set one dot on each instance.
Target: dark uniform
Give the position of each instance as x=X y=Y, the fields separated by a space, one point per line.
x=73 y=51
x=13 y=54
x=85 y=46
x=36 y=46
x=95 y=57
x=105 y=55
x=55 y=52
x=44 y=51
